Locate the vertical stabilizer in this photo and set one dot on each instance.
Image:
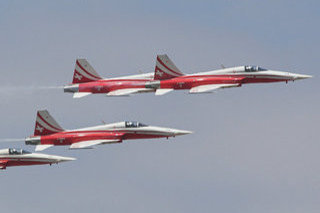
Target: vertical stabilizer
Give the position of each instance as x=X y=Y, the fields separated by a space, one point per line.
x=84 y=72
x=45 y=124
x=165 y=68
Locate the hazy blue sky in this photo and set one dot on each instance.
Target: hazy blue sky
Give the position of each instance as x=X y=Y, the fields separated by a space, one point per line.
x=255 y=148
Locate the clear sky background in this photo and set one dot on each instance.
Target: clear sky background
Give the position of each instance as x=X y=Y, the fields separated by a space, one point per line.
x=255 y=148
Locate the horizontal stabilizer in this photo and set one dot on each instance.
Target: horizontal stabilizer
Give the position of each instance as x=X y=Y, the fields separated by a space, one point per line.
x=211 y=87
x=89 y=144
x=42 y=147
x=163 y=91
x=3 y=164
x=81 y=94
x=124 y=92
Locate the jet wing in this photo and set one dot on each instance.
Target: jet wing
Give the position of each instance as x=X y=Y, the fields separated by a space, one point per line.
x=81 y=94
x=3 y=164
x=42 y=147
x=139 y=76
x=89 y=144
x=211 y=87
x=125 y=92
x=163 y=91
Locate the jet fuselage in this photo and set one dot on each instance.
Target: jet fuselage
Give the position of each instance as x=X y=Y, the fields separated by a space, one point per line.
x=106 y=86
x=110 y=133
x=18 y=157
x=236 y=75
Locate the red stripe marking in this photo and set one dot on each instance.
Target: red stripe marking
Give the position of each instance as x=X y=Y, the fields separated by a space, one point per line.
x=165 y=75
x=84 y=79
x=77 y=62
x=49 y=123
x=158 y=68
x=168 y=67
x=30 y=158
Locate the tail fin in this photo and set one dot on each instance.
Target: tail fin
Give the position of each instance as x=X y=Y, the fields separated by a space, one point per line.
x=45 y=124
x=165 y=68
x=84 y=72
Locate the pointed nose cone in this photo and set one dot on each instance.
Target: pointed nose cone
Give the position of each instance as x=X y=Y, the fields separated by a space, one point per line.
x=177 y=132
x=300 y=76
x=296 y=76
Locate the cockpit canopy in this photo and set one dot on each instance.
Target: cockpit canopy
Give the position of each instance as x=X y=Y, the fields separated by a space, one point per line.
x=130 y=124
x=253 y=69
x=13 y=151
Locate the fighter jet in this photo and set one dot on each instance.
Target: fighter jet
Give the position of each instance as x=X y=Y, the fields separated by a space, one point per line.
x=168 y=77
x=49 y=133
x=87 y=81
x=19 y=157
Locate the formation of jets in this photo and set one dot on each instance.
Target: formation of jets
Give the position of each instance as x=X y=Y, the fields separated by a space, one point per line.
x=165 y=78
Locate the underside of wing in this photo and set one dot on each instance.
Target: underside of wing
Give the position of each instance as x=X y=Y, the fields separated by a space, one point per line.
x=125 y=92
x=81 y=94
x=211 y=87
x=89 y=144
x=42 y=147
x=139 y=76
x=163 y=91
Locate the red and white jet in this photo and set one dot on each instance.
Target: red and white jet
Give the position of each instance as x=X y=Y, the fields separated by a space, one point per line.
x=167 y=77
x=87 y=81
x=49 y=133
x=19 y=157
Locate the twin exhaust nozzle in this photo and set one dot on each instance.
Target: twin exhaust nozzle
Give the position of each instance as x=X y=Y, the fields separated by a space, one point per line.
x=71 y=88
x=33 y=140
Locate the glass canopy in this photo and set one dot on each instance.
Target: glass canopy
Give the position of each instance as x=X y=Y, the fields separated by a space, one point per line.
x=134 y=124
